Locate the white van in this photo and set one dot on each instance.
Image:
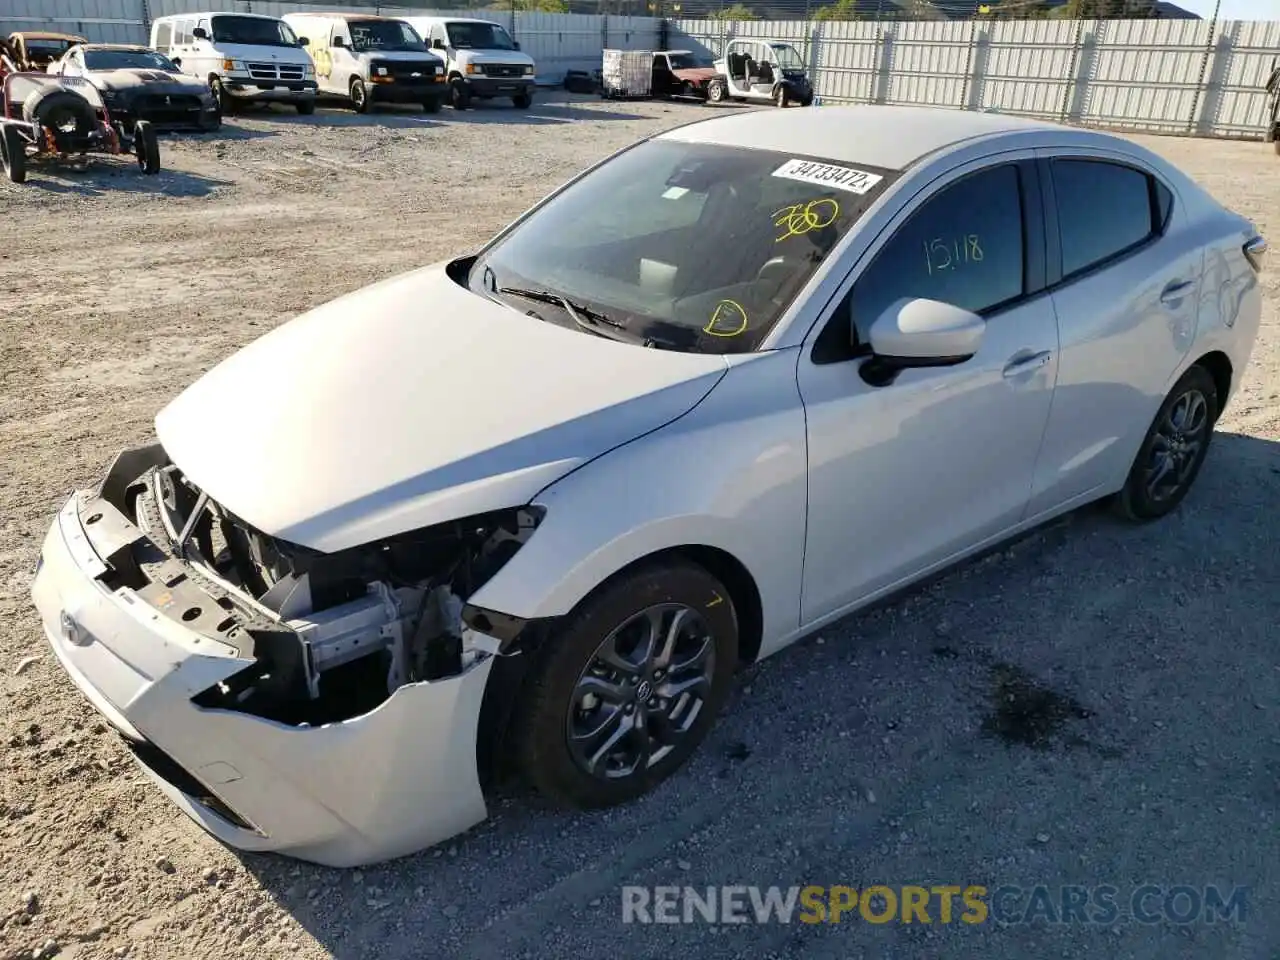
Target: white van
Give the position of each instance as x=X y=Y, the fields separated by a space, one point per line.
x=242 y=56
x=371 y=59
x=481 y=59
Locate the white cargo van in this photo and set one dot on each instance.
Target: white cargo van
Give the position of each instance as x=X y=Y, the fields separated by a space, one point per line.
x=242 y=56
x=481 y=59
x=368 y=59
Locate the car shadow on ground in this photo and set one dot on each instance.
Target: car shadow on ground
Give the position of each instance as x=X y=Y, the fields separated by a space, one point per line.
x=101 y=177
x=548 y=108
x=970 y=692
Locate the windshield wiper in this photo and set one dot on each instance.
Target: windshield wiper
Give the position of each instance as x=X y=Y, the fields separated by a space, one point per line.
x=593 y=321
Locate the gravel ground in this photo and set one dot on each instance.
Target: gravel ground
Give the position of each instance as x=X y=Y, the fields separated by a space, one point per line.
x=1094 y=705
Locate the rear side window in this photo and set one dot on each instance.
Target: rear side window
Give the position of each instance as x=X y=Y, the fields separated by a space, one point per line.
x=164 y=35
x=1105 y=210
x=963 y=246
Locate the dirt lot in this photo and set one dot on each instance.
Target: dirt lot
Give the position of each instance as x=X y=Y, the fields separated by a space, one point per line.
x=900 y=747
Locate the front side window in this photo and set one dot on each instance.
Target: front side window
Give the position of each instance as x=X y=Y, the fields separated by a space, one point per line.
x=1104 y=209
x=962 y=246
x=259 y=31
x=695 y=247
x=687 y=61
x=128 y=60
x=384 y=35
x=479 y=36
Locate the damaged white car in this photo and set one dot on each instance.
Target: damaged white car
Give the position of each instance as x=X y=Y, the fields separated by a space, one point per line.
x=540 y=502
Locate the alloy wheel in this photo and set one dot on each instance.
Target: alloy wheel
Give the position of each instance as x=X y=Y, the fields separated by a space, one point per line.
x=641 y=692
x=1177 y=446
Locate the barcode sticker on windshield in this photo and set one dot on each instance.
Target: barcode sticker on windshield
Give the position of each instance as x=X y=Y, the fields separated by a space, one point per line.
x=828 y=175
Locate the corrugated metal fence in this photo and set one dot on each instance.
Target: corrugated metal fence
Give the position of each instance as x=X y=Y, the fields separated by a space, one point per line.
x=1168 y=76
x=558 y=42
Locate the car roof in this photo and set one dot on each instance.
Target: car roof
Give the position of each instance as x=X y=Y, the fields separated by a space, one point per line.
x=200 y=14
x=881 y=136
x=457 y=19
x=43 y=35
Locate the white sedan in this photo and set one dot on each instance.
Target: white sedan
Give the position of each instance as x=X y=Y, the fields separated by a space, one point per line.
x=538 y=503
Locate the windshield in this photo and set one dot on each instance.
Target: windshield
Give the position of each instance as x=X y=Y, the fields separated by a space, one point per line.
x=261 y=31
x=479 y=36
x=697 y=247
x=687 y=61
x=788 y=59
x=386 y=35
x=128 y=60
x=45 y=49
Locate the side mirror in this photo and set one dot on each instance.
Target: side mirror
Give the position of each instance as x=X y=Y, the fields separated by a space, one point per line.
x=437 y=44
x=338 y=42
x=200 y=33
x=920 y=333
x=516 y=44
x=303 y=41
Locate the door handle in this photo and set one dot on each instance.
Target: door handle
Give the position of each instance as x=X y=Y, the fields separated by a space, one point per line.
x=1026 y=363
x=1175 y=291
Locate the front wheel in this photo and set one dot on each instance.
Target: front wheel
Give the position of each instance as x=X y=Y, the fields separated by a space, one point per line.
x=1173 y=450
x=459 y=95
x=360 y=101
x=13 y=154
x=306 y=107
x=523 y=101
x=431 y=105
x=716 y=90
x=146 y=147
x=627 y=690
x=225 y=101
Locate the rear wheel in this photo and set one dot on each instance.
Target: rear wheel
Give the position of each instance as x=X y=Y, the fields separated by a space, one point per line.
x=359 y=96
x=623 y=694
x=716 y=90
x=1173 y=450
x=146 y=147
x=13 y=154
x=781 y=97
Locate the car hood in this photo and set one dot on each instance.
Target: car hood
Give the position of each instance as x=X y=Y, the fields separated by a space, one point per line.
x=154 y=81
x=695 y=73
x=411 y=403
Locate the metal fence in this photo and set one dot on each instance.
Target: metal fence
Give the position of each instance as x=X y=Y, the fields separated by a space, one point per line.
x=558 y=42
x=1169 y=76
x=1166 y=76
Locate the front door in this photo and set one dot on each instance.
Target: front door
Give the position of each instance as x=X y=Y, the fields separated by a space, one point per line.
x=904 y=476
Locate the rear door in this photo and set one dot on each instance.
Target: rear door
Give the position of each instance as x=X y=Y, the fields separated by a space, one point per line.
x=1126 y=281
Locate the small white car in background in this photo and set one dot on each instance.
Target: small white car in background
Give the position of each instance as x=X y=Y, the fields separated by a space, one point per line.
x=734 y=389
x=244 y=57
x=482 y=61
x=368 y=60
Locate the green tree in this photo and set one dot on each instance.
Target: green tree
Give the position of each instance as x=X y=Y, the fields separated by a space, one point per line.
x=840 y=10
x=541 y=6
x=737 y=11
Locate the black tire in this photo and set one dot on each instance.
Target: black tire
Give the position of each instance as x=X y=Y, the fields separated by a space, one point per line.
x=13 y=154
x=781 y=96
x=459 y=95
x=1177 y=442
x=146 y=147
x=305 y=107
x=431 y=105
x=522 y=101
x=57 y=109
x=717 y=90
x=226 y=102
x=552 y=701
x=361 y=102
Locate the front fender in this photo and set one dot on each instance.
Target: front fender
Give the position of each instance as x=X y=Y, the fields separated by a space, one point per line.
x=730 y=474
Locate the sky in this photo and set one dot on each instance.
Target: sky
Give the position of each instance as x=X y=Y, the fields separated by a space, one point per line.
x=1235 y=9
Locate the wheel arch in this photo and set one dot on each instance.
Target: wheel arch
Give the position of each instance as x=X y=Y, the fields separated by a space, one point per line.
x=1219 y=366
